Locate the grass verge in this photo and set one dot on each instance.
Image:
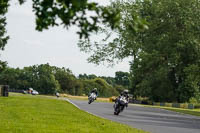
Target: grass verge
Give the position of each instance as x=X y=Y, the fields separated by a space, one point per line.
x=195 y=112
x=37 y=114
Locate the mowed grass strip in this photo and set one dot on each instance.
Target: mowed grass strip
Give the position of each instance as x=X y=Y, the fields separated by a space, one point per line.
x=195 y=112
x=36 y=114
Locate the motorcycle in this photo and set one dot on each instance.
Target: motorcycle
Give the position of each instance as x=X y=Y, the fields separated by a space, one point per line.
x=91 y=98
x=119 y=105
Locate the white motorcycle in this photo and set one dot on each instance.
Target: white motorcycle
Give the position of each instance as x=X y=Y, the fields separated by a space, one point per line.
x=91 y=98
x=119 y=105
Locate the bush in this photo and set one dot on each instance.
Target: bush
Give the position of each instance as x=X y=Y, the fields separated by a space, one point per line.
x=197 y=106
x=193 y=100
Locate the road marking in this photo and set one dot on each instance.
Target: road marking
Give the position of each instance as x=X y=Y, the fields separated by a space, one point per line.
x=72 y=103
x=85 y=110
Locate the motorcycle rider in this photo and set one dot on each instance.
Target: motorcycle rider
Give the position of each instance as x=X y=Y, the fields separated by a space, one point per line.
x=57 y=95
x=94 y=91
x=126 y=95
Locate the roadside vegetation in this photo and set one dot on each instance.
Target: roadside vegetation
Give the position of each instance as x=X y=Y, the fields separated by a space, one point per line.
x=47 y=79
x=39 y=114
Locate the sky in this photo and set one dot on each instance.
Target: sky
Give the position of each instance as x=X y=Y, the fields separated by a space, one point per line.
x=56 y=46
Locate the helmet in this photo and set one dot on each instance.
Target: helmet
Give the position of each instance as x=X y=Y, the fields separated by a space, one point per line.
x=126 y=91
x=95 y=89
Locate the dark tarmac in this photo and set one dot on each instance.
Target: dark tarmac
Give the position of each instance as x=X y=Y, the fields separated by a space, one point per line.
x=149 y=119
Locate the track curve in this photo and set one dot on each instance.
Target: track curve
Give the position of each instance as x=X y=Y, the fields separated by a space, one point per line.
x=153 y=120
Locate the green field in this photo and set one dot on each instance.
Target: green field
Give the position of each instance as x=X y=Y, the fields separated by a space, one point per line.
x=38 y=114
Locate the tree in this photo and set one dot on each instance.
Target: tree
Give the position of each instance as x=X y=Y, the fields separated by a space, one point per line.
x=85 y=76
x=16 y=78
x=43 y=79
x=3 y=66
x=9 y=77
x=162 y=54
x=124 y=45
x=72 y=12
x=3 y=11
x=167 y=50
x=122 y=78
x=66 y=80
x=64 y=12
x=104 y=89
x=88 y=16
x=109 y=80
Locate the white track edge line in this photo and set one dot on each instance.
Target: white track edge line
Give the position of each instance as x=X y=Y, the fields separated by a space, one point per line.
x=84 y=110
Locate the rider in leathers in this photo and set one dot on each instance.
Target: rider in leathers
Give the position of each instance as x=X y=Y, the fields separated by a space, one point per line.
x=126 y=95
x=94 y=91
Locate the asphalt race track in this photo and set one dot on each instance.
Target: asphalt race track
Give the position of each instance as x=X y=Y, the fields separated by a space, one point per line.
x=149 y=119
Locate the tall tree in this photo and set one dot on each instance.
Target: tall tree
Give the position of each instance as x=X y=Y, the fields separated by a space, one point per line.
x=122 y=78
x=3 y=11
x=64 y=12
x=66 y=80
x=87 y=15
x=168 y=49
x=164 y=55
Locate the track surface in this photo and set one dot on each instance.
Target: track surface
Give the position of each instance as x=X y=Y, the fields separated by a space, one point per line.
x=153 y=120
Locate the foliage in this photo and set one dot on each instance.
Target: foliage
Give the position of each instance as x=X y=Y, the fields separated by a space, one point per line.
x=66 y=79
x=166 y=55
x=48 y=79
x=119 y=88
x=122 y=78
x=112 y=49
x=39 y=77
x=109 y=80
x=104 y=89
x=193 y=100
x=3 y=10
x=71 y=12
x=85 y=76
x=3 y=65
x=120 y=82
x=85 y=14
x=164 y=67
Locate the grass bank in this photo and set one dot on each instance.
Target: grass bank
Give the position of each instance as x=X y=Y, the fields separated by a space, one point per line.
x=195 y=112
x=38 y=114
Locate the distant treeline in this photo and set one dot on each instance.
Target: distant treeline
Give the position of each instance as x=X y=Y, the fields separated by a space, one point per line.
x=48 y=79
x=143 y=84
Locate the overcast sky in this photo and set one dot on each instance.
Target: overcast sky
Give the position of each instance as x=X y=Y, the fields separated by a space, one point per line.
x=56 y=46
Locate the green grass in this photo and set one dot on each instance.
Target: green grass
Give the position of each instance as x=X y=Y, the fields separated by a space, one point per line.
x=38 y=114
x=195 y=112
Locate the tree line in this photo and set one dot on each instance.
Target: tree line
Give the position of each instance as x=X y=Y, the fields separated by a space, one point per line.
x=48 y=79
